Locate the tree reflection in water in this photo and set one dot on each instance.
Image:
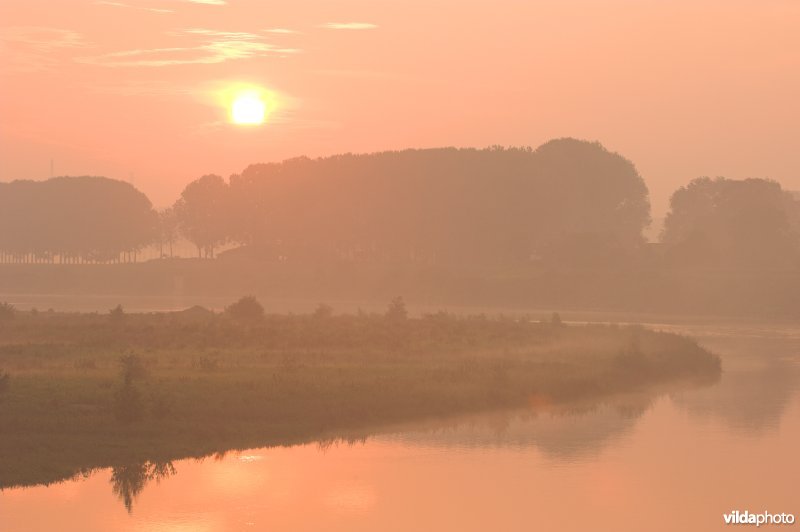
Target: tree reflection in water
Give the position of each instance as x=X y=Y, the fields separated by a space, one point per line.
x=129 y=480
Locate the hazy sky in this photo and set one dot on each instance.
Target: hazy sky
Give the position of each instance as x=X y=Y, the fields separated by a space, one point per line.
x=136 y=88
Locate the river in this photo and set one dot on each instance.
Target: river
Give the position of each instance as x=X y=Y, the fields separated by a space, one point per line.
x=667 y=460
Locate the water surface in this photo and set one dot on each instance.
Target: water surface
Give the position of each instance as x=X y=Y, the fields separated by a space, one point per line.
x=665 y=460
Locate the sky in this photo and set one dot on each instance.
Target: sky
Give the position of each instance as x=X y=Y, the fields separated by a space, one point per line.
x=141 y=89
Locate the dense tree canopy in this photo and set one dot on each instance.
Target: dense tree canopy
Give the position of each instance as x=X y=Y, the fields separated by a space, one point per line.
x=749 y=223
x=442 y=205
x=74 y=219
x=203 y=213
x=568 y=203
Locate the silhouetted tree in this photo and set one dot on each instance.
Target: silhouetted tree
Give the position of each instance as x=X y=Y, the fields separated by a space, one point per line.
x=168 y=230
x=323 y=311
x=586 y=190
x=74 y=219
x=732 y=224
x=203 y=213
x=568 y=202
x=460 y=206
x=117 y=313
x=396 y=311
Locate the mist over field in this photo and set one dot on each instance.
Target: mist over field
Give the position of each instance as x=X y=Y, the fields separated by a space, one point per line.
x=557 y=227
x=509 y=231
x=446 y=266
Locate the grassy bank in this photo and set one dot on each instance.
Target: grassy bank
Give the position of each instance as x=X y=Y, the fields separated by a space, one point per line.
x=94 y=390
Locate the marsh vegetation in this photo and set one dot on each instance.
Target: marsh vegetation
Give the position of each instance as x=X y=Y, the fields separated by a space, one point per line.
x=88 y=390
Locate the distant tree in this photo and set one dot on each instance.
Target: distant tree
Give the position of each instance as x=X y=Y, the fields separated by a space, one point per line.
x=203 y=213
x=463 y=207
x=396 y=311
x=246 y=309
x=168 y=230
x=568 y=202
x=732 y=224
x=323 y=311
x=74 y=219
x=586 y=190
x=117 y=313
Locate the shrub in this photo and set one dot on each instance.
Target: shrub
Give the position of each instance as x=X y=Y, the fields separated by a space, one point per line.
x=246 y=309
x=117 y=313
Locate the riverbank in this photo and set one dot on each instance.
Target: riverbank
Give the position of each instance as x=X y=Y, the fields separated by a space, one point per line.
x=94 y=390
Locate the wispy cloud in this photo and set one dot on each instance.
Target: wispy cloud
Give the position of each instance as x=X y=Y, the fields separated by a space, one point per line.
x=34 y=48
x=162 y=10
x=227 y=35
x=358 y=74
x=217 y=47
x=130 y=6
x=157 y=88
x=41 y=38
x=280 y=30
x=349 y=26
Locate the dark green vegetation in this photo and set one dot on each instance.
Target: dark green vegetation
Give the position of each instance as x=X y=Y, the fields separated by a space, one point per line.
x=95 y=390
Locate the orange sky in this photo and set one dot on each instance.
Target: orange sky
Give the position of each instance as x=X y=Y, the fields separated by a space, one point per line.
x=128 y=88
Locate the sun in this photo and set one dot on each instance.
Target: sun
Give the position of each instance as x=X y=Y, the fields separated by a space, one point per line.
x=248 y=109
x=245 y=104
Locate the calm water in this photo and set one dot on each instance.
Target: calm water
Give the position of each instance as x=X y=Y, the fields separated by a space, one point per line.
x=672 y=460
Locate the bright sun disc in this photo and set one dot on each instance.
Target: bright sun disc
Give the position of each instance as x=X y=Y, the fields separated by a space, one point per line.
x=248 y=109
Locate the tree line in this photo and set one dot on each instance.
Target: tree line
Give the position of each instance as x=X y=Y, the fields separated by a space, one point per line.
x=567 y=203
x=74 y=220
